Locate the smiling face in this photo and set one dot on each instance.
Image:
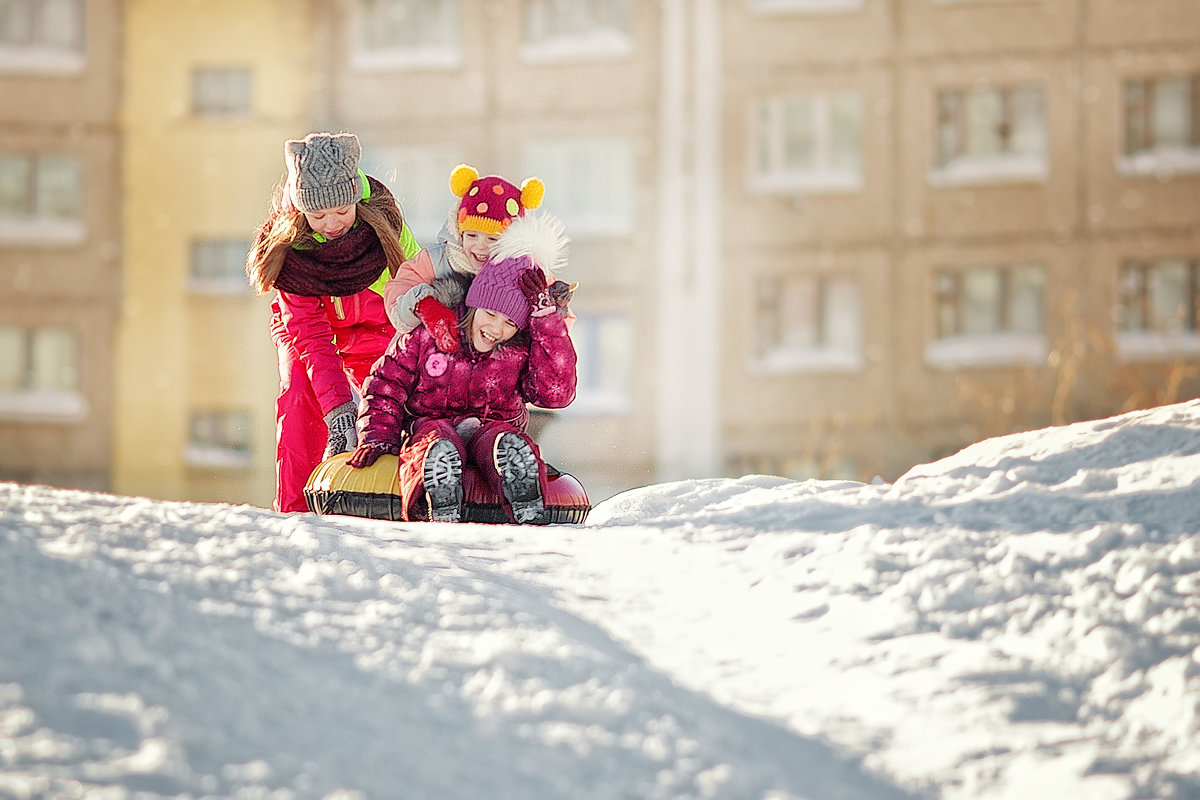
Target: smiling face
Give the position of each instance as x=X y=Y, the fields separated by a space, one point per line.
x=479 y=245
x=490 y=328
x=331 y=222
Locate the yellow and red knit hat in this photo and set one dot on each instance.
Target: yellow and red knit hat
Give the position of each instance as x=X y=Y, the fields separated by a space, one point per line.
x=490 y=203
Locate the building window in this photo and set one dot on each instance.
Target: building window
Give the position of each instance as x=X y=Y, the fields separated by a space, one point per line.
x=803 y=6
x=987 y=316
x=418 y=178
x=221 y=92
x=219 y=439
x=39 y=374
x=807 y=144
x=1159 y=311
x=572 y=30
x=406 y=34
x=990 y=135
x=1162 y=125
x=807 y=323
x=42 y=36
x=41 y=199
x=604 y=346
x=591 y=184
x=218 y=266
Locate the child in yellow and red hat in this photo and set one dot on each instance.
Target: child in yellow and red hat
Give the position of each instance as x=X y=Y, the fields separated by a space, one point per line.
x=429 y=285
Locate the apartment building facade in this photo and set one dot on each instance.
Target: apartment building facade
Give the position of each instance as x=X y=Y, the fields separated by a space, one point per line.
x=212 y=90
x=952 y=219
x=814 y=238
x=60 y=239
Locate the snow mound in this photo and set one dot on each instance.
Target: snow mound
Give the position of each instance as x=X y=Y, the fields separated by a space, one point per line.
x=1017 y=620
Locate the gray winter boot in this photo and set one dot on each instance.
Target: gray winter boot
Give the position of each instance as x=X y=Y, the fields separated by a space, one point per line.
x=518 y=468
x=443 y=482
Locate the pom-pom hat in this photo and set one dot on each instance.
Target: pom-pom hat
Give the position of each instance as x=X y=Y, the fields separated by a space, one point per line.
x=530 y=242
x=490 y=203
x=322 y=171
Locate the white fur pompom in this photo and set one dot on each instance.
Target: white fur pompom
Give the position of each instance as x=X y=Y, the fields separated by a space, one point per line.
x=539 y=236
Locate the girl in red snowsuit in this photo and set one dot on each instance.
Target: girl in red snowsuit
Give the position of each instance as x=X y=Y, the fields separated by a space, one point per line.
x=333 y=237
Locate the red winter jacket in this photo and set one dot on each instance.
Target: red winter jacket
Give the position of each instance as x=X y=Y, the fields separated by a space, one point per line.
x=414 y=380
x=331 y=334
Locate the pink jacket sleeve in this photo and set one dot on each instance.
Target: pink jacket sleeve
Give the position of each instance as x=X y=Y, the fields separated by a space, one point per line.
x=550 y=377
x=305 y=322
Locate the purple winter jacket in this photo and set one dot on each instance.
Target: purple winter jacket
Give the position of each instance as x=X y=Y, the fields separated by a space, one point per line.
x=414 y=380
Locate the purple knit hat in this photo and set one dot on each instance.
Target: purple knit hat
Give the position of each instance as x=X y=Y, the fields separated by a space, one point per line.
x=497 y=288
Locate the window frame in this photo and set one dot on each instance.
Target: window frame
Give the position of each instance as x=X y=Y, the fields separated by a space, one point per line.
x=804 y=7
x=774 y=355
x=218 y=454
x=428 y=54
x=964 y=168
x=610 y=160
x=34 y=229
x=28 y=402
x=1145 y=156
x=1145 y=343
x=224 y=282
x=228 y=108
x=40 y=57
x=768 y=174
x=999 y=348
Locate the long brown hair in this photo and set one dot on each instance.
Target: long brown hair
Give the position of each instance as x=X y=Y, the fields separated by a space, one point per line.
x=286 y=227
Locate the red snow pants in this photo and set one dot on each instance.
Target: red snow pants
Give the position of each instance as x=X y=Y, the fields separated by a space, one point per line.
x=477 y=458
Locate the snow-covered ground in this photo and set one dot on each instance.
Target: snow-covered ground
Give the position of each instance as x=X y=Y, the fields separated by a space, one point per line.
x=1020 y=620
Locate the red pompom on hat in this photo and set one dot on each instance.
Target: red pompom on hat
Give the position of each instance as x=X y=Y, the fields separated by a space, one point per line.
x=490 y=203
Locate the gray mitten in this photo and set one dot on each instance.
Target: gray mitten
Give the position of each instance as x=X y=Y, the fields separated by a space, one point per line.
x=342 y=435
x=404 y=311
x=467 y=428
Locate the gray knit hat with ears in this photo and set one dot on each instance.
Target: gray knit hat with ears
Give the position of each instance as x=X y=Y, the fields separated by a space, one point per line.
x=323 y=171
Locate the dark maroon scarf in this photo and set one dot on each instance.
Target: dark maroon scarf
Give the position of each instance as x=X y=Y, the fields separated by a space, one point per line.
x=343 y=266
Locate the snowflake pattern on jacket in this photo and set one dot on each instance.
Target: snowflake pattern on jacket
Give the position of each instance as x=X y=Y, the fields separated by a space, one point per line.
x=414 y=380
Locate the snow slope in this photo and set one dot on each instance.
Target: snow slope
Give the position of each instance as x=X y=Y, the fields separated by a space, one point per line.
x=1020 y=620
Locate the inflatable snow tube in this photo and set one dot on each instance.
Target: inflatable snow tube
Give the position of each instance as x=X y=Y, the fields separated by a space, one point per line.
x=374 y=492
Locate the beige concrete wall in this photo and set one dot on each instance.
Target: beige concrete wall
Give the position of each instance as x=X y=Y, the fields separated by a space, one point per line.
x=72 y=285
x=930 y=28
x=1118 y=23
x=190 y=178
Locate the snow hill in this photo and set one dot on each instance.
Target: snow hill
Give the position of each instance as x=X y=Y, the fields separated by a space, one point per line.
x=1020 y=620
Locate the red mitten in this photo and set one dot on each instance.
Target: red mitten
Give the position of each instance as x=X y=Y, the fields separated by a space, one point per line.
x=533 y=283
x=533 y=286
x=441 y=323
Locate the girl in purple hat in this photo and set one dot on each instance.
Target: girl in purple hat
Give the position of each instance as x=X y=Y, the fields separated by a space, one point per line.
x=439 y=411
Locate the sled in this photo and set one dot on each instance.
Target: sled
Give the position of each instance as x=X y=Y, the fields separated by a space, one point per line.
x=374 y=492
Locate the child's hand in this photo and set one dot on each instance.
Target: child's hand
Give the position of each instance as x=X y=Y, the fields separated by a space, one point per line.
x=561 y=293
x=533 y=286
x=441 y=323
x=367 y=454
